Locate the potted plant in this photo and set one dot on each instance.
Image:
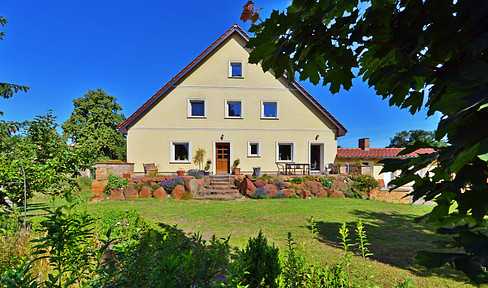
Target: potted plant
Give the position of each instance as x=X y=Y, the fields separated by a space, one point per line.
x=207 y=167
x=180 y=172
x=237 y=171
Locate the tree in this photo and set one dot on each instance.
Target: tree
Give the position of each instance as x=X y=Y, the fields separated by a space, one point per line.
x=199 y=157
x=416 y=54
x=94 y=122
x=407 y=138
x=7 y=90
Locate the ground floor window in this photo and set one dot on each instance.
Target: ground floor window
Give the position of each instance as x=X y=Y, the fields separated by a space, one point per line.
x=180 y=151
x=253 y=149
x=285 y=151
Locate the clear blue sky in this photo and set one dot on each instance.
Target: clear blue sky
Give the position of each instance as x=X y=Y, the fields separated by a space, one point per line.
x=130 y=49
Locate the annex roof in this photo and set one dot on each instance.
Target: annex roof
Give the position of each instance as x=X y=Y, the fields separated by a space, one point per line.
x=341 y=130
x=379 y=153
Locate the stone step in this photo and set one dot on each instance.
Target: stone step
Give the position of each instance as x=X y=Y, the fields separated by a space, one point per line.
x=220 y=186
x=220 y=197
x=219 y=191
x=215 y=183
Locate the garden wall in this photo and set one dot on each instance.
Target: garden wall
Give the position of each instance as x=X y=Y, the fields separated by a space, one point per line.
x=398 y=195
x=103 y=169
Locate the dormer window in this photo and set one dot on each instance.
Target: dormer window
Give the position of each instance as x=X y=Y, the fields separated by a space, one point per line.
x=235 y=69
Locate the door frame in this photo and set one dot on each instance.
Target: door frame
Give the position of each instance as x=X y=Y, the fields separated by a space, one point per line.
x=214 y=155
x=322 y=152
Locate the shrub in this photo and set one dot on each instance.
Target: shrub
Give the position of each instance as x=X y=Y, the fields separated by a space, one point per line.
x=262 y=262
x=186 y=196
x=363 y=183
x=84 y=184
x=114 y=182
x=279 y=184
x=326 y=182
x=294 y=196
x=298 y=180
x=260 y=193
x=198 y=174
x=170 y=184
x=279 y=195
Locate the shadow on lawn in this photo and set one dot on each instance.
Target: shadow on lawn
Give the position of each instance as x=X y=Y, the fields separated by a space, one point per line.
x=394 y=239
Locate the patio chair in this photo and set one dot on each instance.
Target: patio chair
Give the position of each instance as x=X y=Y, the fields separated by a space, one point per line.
x=149 y=167
x=281 y=168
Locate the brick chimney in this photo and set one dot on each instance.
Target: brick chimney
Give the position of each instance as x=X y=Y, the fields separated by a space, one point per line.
x=364 y=144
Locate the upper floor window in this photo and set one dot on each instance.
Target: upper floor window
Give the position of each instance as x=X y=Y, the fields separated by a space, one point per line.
x=269 y=109
x=233 y=108
x=235 y=69
x=196 y=108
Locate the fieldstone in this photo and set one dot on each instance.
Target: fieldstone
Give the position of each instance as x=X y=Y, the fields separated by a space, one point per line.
x=116 y=194
x=322 y=194
x=300 y=186
x=313 y=186
x=271 y=188
x=304 y=194
x=160 y=193
x=287 y=184
x=146 y=192
x=260 y=183
x=178 y=192
x=337 y=194
x=191 y=185
x=201 y=182
x=288 y=192
x=159 y=179
x=329 y=191
x=145 y=179
x=247 y=187
x=130 y=192
x=338 y=185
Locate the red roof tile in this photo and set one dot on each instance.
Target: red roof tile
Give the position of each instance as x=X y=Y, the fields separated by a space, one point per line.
x=379 y=153
x=341 y=131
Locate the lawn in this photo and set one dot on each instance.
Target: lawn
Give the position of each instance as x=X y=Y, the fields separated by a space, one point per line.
x=393 y=235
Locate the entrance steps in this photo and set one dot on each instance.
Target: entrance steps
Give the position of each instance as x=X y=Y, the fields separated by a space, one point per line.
x=220 y=187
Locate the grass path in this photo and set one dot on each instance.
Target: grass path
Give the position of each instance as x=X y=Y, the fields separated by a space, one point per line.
x=393 y=235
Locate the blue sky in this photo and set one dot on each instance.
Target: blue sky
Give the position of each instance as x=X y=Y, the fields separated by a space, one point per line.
x=130 y=49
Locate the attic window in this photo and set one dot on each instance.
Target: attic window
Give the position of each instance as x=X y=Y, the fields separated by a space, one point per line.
x=235 y=69
x=196 y=108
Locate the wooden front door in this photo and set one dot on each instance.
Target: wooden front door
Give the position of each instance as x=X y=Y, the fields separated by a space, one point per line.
x=222 y=154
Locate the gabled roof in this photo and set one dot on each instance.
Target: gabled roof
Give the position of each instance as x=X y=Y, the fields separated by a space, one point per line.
x=341 y=131
x=379 y=153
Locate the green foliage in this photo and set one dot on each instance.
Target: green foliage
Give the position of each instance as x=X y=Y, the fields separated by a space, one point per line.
x=94 y=122
x=298 y=180
x=406 y=283
x=49 y=163
x=406 y=138
x=416 y=54
x=363 y=183
x=262 y=262
x=84 y=184
x=115 y=182
x=326 y=182
x=199 y=157
x=186 y=196
x=236 y=163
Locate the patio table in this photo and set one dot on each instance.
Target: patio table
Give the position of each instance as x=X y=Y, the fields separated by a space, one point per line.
x=304 y=167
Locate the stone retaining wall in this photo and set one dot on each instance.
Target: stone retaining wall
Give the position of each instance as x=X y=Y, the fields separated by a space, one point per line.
x=103 y=169
x=395 y=196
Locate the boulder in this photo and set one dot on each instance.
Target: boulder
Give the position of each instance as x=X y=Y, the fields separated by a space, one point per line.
x=338 y=185
x=313 y=186
x=160 y=193
x=247 y=187
x=287 y=184
x=304 y=194
x=116 y=194
x=146 y=192
x=288 y=192
x=322 y=194
x=271 y=188
x=191 y=185
x=329 y=191
x=159 y=179
x=300 y=186
x=260 y=183
x=130 y=192
x=178 y=192
x=145 y=179
x=337 y=194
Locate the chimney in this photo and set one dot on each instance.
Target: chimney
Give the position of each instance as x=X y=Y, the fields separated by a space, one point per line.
x=364 y=144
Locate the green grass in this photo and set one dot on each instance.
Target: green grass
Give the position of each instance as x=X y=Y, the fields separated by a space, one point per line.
x=390 y=228
x=391 y=231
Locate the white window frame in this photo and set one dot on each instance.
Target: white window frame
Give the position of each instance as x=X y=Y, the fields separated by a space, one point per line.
x=227 y=108
x=249 y=148
x=241 y=62
x=292 y=143
x=172 y=151
x=277 y=109
x=190 y=100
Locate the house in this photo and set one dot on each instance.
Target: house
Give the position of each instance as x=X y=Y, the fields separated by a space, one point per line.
x=369 y=158
x=232 y=109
